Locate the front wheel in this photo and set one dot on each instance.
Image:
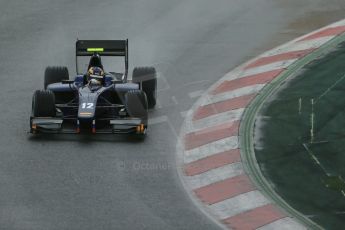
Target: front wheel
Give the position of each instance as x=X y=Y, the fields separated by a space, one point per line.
x=136 y=104
x=136 y=107
x=43 y=104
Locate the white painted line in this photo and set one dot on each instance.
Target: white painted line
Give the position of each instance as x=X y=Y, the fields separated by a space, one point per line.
x=258 y=70
x=188 y=113
x=157 y=120
x=283 y=224
x=158 y=104
x=340 y=23
x=215 y=175
x=163 y=81
x=330 y=88
x=173 y=98
x=300 y=106
x=231 y=75
x=196 y=94
x=184 y=113
x=270 y=67
x=217 y=119
x=239 y=204
x=210 y=99
x=298 y=46
x=223 y=145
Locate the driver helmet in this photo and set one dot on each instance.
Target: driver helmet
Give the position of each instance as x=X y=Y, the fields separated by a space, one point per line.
x=95 y=75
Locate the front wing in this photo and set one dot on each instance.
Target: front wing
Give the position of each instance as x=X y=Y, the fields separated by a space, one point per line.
x=116 y=126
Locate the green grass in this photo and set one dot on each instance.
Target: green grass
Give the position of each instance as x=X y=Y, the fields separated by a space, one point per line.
x=311 y=185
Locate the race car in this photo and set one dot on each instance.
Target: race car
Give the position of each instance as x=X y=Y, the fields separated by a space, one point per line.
x=95 y=101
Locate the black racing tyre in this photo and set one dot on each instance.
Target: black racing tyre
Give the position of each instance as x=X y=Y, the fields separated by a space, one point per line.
x=43 y=104
x=147 y=78
x=136 y=104
x=54 y=74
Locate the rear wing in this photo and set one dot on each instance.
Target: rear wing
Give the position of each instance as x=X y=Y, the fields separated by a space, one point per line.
x=103 y=48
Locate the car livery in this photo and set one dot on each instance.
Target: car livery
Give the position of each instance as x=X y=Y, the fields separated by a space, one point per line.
x=115 y=105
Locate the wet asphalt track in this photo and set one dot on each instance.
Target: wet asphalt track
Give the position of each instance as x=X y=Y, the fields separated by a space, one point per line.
x=105 y=182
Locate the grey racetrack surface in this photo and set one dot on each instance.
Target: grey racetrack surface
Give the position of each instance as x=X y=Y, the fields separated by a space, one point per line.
x=105 y=182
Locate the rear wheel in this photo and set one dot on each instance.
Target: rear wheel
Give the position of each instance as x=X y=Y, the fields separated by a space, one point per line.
x=147 y=78
x=136 y=106
x=43 y=104
x=54 y=74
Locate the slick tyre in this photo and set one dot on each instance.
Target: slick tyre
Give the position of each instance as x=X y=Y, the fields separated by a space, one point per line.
x=146 y=77
x=43 y=104
x=54 y=74
x=136 y=104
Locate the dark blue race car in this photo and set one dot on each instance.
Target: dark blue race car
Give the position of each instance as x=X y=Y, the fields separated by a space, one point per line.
x=95 y=101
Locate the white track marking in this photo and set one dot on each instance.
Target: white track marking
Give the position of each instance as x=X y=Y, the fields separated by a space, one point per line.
x=239 y=204
x=283 y=224
x=173 y=98
x=163 y=81
x=340 y=23
x=158 y=104
x=312 y=155
x=210 y=99
x=270 y=67
x=231 y=75
x=260 y=69
x=330 y=88
x=300 y=106
x=215 y=175
x=217 y=119
x=196 y=94
x=184 y=113
x=299 y=46
x=157 y=120
x=312 y=121
x=223 y=145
